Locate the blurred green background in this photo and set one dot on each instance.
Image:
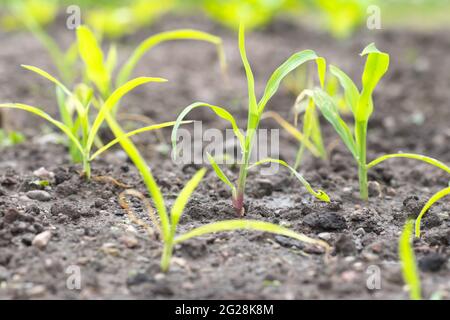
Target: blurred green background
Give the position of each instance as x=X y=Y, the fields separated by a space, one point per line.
x=114 y=18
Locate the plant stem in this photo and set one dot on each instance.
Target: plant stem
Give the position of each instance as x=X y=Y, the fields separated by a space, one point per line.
x=166 y=256
x=361 y=139
x=238 y=198
x=87 y=167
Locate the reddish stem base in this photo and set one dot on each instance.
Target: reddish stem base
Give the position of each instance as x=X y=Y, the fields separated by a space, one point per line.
x=238 y=205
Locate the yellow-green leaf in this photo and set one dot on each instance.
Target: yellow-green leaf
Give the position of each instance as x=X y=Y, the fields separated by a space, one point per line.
x=232 y=225
x=149 y=43
x=183 y=198
x=408 y=261
x=319 y=194
x=112 y=101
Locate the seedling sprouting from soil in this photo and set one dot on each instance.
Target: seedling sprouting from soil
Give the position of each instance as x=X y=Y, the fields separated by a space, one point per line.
x=408 y=262
x=79 y=130
x=361 y=105
x=255 y=111
x=76 y=107
x=167 y=225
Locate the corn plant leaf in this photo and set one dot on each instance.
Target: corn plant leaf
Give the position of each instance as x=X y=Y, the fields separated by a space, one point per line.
x=47 y=117
x=219 y=111
x=319 y=194
x=288 y=66
x=231 y=225
x=408 y=261
x=253 y=114
x=92 y=56
x=133 y=133
x=219 y=172
x=182 y=34
x=435 y=198
x=429 y=160
x=293 y=131
x=153 y=188
x=312 y=126
x=330 y=111
x=351 y=92
x=183 y=198
x=49 y=77
x=321 y=70
x=112 y=101
x=111 y=59
x=58 y=83
x=66 y=114
x=377 y=64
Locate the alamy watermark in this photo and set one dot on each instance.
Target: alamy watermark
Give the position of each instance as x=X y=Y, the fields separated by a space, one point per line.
x=73 y=20
x=73 y=281
x=373 y=18
x=193 y=147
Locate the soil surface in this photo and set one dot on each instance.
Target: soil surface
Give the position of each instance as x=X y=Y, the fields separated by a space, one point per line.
x=90 y=231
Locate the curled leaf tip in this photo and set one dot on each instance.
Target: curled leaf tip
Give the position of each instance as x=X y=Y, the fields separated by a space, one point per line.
x=321 y=195
x=370 y=48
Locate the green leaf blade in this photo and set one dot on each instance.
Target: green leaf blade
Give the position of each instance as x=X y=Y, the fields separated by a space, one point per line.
x=48 y=76
x=232 y=225
x=92 y=56
x=38 y=112
x=408 y=261
x=435 y=198
x=183 y=198
x=253 y=112
x=152 y=187
x=351 y=92
x=319 y=194
x=219 y=111
x=152 y=41
x=330 y=111
x=133 y=133
x=288 y=66
x=220 y=174
x=377 y=64
x=112 y=101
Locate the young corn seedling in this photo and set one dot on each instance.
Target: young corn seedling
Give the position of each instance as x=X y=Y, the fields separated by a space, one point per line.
x=408 y=262
x=167 y=225
x=98 y=71
x=361 y=105
x=255 y=111
x=79 y=130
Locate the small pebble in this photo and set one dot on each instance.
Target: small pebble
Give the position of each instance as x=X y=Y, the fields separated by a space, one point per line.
x=129 y=241
x=41 y=240
x=374 y=189
x=39 y=195
x=44 y=174
x=160 y=276
x=36 y=291
x=110 y=249
x=324 y=236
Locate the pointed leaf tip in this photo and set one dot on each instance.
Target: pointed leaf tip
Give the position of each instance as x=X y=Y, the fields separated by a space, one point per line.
x=370 y=48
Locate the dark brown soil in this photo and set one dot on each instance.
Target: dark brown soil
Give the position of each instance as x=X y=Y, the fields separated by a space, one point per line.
x=90 y=230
